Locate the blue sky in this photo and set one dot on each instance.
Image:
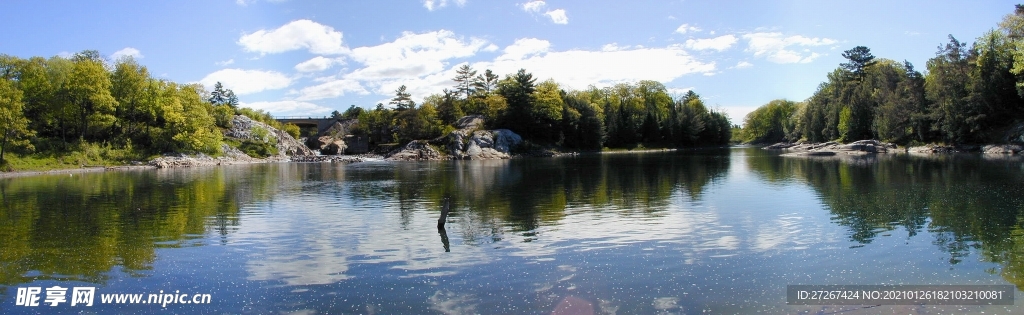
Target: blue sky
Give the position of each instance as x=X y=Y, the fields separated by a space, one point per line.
x=304 y=57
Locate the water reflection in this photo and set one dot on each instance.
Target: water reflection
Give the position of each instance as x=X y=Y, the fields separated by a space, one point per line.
x=966 y=203
x=633 y=233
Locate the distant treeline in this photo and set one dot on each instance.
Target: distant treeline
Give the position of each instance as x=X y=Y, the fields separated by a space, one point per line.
x=620 y=116
x=969 y=95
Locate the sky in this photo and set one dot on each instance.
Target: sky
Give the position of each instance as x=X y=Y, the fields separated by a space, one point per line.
x=309 y=58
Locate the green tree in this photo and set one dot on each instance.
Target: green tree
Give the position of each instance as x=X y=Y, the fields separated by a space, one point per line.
x=13 y=124
x=946 y=88
x=546 y=112
x=88 y=92
x=464 y=81
x=859 y=57
x=449 y=110
x=402 y=100
x=518 y=93
x=485 y=83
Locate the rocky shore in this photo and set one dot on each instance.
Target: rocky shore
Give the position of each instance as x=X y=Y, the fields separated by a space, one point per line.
x=832 y=148
x=864 y=147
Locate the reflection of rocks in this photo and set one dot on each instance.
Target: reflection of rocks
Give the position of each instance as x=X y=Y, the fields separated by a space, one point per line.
x=832 y=148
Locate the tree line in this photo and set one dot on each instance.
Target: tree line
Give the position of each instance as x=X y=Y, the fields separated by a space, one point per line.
x=970 y=94
x=620 y=116
x=49 y=107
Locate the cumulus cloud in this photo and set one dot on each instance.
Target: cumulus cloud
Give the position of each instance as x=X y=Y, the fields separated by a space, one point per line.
x=247 y=81
x=533 y=6
x=285 y=108
x=525 y=47
x=330 y=89
x=432 y=5
x=412 y=55
x=687 y=28
x=558 y=16
x=317 y=64
x=127 y=51
x=743 y=64
x=225 y=62
x=778 y=49
x=579 y=68
x=718 y=43
x=299 y=34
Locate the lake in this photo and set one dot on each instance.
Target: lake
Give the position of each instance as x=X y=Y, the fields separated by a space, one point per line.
x=686 y=232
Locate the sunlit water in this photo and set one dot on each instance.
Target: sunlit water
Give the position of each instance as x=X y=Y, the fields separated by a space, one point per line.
x=690 y=232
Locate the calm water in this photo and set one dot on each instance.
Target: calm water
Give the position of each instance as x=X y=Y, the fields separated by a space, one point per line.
x=713 y=231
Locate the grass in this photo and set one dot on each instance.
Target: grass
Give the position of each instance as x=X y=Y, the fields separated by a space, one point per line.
x=84 y=155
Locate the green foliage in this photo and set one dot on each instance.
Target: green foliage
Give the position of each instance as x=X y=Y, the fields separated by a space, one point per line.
x=13 y=124
x=768 y=123
x=260 y=116
x=258 y=149
x=291 y=129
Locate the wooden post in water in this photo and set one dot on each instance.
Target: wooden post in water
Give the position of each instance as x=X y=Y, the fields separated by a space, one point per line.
x=444 y=212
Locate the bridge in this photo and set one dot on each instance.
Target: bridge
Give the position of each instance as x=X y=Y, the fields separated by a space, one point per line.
x=320 y=123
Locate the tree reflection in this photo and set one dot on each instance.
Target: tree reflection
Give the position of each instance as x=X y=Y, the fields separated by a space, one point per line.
x=80 y=227
x=966 y=202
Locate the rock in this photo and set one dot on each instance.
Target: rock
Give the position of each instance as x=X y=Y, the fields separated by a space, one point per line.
x=336 y=147
x=471 y=122
x=244 y=128
x=932 y=148
x=417 y=150
x=779 y=146
x=482 y=144
x=1002 y=149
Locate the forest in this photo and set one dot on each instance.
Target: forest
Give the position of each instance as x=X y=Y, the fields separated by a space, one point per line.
x=968 y=95
x=545 y=114
x=85 y=110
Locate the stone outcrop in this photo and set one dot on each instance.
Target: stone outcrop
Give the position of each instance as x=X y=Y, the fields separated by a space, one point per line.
x=244 y=128
x=465 y=143
x=482 y=144
x=832 y=148
x=331 y=146
x=416 y=150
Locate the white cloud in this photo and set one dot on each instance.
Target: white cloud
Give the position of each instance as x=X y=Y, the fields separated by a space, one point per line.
x=331 y=89
x=285 y=108
x=432 y=5
x=127 y=51
x=686 y=28
x=412 y=55
x=579 y=68
x=533 y=6
x=247 y=81
x=317 y=64
x=299 y=34
x=776 y=48
x=525 y=47
x=718 y=43
x=558 y=16
x=225 y=63
x=743 y=64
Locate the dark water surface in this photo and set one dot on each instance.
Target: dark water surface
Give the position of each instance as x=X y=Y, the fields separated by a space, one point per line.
x=691 y=232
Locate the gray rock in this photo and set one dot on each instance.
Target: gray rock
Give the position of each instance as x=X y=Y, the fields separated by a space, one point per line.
x=1002 y=149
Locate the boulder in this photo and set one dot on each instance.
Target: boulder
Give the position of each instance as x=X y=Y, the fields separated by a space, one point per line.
x=1002 y=149
x=333 y=146
x=482 y=144
x=417 y=150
